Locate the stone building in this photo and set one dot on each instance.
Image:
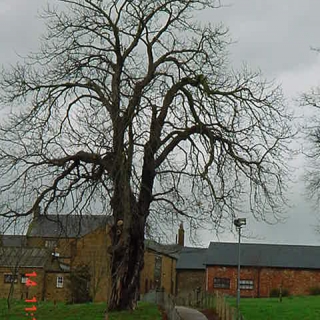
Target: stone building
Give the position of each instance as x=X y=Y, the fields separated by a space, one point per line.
x=191 y=270
x=17 y=264
x=68 y=241
x=53 y=247
x=56 y=245
x=159 y=269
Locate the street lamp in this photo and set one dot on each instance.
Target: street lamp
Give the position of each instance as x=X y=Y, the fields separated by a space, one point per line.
x=239 y=223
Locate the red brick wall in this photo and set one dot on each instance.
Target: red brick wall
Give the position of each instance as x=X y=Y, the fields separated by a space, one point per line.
x=297 y=281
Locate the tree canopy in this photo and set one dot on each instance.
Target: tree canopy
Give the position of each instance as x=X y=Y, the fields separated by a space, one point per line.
x=131 y=107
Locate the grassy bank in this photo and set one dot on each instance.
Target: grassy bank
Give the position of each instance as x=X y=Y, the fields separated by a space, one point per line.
x=91 y=311
x=291 y=308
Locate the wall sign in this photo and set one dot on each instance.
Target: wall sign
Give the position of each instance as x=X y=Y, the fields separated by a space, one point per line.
x=30 y=311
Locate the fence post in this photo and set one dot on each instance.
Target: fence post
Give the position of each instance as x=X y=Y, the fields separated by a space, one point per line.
x=233 y=314
x=218 y=304
x=227 y=312
x=223 y=304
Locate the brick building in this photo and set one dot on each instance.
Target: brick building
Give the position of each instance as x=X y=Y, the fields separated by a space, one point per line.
x=56 y=244
x=263 y=267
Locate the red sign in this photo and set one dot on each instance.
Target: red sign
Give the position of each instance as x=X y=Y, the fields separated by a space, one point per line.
x=30 y=283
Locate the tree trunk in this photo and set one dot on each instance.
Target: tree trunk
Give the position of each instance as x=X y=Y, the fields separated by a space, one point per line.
x=10 y=294
x=126 y=264
x=127 y=248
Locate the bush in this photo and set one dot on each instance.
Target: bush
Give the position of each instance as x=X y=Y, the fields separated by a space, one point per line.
x=79 y=285
x=314 y=291
x=275 y=293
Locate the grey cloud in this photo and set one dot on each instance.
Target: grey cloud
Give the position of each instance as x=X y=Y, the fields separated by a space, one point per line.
x=272 y=35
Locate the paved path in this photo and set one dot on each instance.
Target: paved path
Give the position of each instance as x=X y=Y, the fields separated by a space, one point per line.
x=190 y=314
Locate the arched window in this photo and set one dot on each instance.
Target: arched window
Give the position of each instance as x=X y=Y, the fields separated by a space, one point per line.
x=146 y=286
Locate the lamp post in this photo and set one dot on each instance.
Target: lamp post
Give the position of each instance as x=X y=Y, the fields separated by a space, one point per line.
x=239 y=223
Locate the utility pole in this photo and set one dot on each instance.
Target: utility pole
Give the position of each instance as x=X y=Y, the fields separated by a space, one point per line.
x=239 y=223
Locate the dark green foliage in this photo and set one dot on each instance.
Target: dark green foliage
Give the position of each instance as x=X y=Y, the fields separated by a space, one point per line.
x=275 y=292
x=79 y=285
x=314 y=291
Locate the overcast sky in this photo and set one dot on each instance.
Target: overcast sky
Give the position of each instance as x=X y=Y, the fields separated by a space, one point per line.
x=273 y=36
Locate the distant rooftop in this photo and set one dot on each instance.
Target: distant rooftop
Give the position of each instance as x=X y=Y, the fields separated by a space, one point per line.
x=69 y=226
x=13 y=240
x=192 y=258
x=171 y=250
x=23 y=257
x=264 y=255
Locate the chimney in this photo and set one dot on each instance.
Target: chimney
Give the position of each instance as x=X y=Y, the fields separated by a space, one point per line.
x=36 y=212
x=181 y=235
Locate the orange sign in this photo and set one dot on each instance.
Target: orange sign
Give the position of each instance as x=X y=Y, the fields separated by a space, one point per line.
x=30 y=283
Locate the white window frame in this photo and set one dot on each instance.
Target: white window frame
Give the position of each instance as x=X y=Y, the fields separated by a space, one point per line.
x=59 y=281
x=246 y=284
x=50 y=244
x=23 y=279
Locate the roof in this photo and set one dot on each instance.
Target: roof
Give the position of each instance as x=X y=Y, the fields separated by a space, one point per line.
x=23 y=257
x=264 y=255
x=192 y=258
x=13 y=240
x=69 y=226
x=171 y=250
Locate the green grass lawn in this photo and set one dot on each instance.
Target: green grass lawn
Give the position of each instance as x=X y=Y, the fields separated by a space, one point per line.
x=291 y=308
x=90 y=311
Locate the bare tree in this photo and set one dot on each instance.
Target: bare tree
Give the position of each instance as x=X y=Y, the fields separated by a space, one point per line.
x=312 y=145
x=130 y=106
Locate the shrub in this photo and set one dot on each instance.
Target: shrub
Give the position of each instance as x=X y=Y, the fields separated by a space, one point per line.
x=314 y=291
x=79 y=285
x=275 y=293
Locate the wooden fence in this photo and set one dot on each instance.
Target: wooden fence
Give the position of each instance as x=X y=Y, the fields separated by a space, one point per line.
x=197 y=299
x=204 y=300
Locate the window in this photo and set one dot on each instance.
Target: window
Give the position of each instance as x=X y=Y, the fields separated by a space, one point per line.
x=9 y=278
x=60 y=282
x=50 y=244
x=246 y=284
x=221 y=283
x=157 y=272
x=24 y=278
